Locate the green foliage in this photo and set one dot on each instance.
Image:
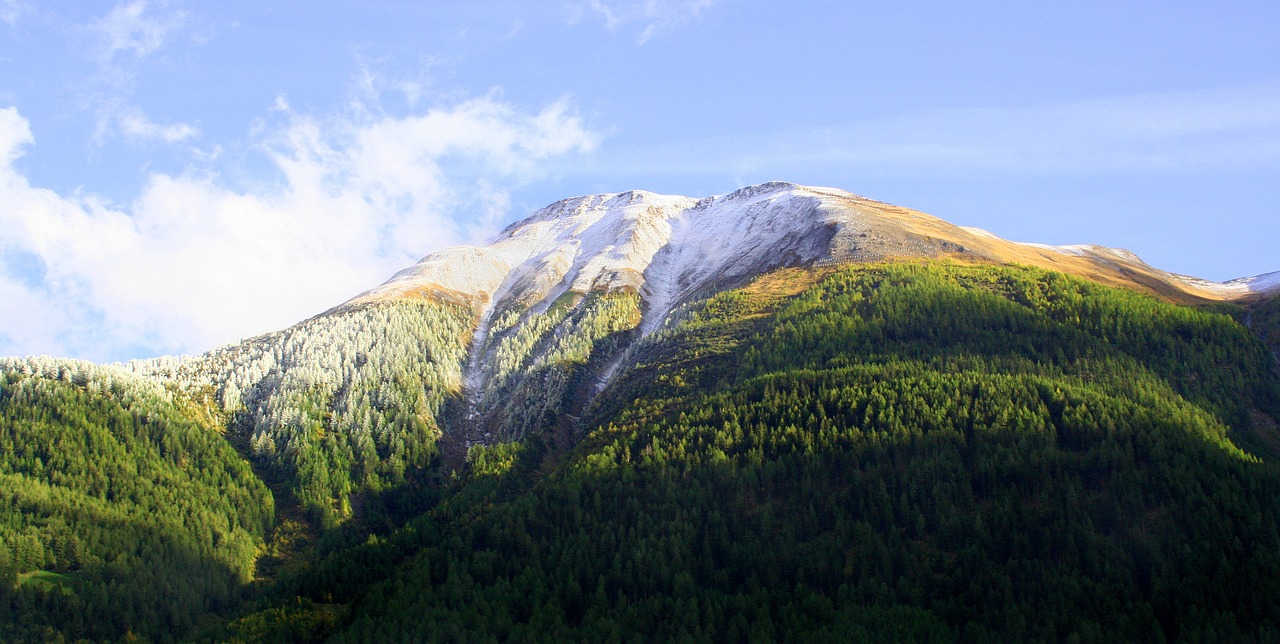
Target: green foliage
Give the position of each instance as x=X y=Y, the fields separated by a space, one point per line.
x=121 y=508
x=1049 y=319
x=493 y=460
x=47 y=580
x=300 y=621
x=899 y=452
x=890 y=452
x=342 y=403
x=1264 y=318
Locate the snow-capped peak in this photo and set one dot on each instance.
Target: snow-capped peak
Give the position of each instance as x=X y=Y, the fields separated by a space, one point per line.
x=660 y=245
x=1266 y=283
x=671 y=249
x=668 y=248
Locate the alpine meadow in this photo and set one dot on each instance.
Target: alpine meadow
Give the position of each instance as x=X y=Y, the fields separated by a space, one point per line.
x=786 y=413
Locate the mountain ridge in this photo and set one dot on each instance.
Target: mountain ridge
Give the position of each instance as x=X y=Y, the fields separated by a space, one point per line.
x=636 y=239
x=667 y=250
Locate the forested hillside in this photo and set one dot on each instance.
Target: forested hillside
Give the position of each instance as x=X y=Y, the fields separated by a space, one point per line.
x=341 y=404
x=890 y=451
x=897 y=452
x=122 y=507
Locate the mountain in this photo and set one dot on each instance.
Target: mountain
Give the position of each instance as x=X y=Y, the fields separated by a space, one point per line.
x=782 y=413
x=651 y=253
x=668 y=248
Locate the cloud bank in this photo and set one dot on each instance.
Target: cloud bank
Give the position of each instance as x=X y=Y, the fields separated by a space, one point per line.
x=192 y=263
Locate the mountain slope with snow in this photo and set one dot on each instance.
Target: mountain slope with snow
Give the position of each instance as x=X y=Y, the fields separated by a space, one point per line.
x=583 y=280
x=668 y=247
x=477 y=345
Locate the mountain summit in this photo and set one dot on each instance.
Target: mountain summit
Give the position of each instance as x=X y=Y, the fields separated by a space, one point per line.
x=667 y=248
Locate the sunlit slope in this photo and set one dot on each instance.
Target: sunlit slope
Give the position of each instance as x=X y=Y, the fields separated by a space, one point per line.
x=1110 y=266
x=345 y=403
x=122 y=507
x=488 y=344
x=668 y=248
x=558 y=300
x=891 y=450
x=783 y=411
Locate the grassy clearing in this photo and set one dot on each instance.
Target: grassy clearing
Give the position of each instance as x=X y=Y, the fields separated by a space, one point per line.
x=47 y=580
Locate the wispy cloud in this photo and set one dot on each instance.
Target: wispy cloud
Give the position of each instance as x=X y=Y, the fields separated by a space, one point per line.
x=515 y=29
x=650 y=17
x=191 y=263
x=10 y=10
x=124 y=37
x=136 y=27
x=376 y=77
x=134 y=124
x=15 y=134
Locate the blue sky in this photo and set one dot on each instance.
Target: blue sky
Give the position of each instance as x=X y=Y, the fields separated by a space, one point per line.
x=175 y=175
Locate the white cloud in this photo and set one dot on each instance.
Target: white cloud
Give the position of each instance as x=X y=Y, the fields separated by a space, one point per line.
x=138 y=28
x=15 y=134
x=27 y=318
x=134 y=27
x=133 y=124
x=192 y=263
x=652 y=17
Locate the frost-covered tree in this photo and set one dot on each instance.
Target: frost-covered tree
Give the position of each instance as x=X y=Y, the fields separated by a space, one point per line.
x=347 y=401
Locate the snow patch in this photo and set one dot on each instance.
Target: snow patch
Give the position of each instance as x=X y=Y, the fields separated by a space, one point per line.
x=1241 y=286
x=980 y=232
